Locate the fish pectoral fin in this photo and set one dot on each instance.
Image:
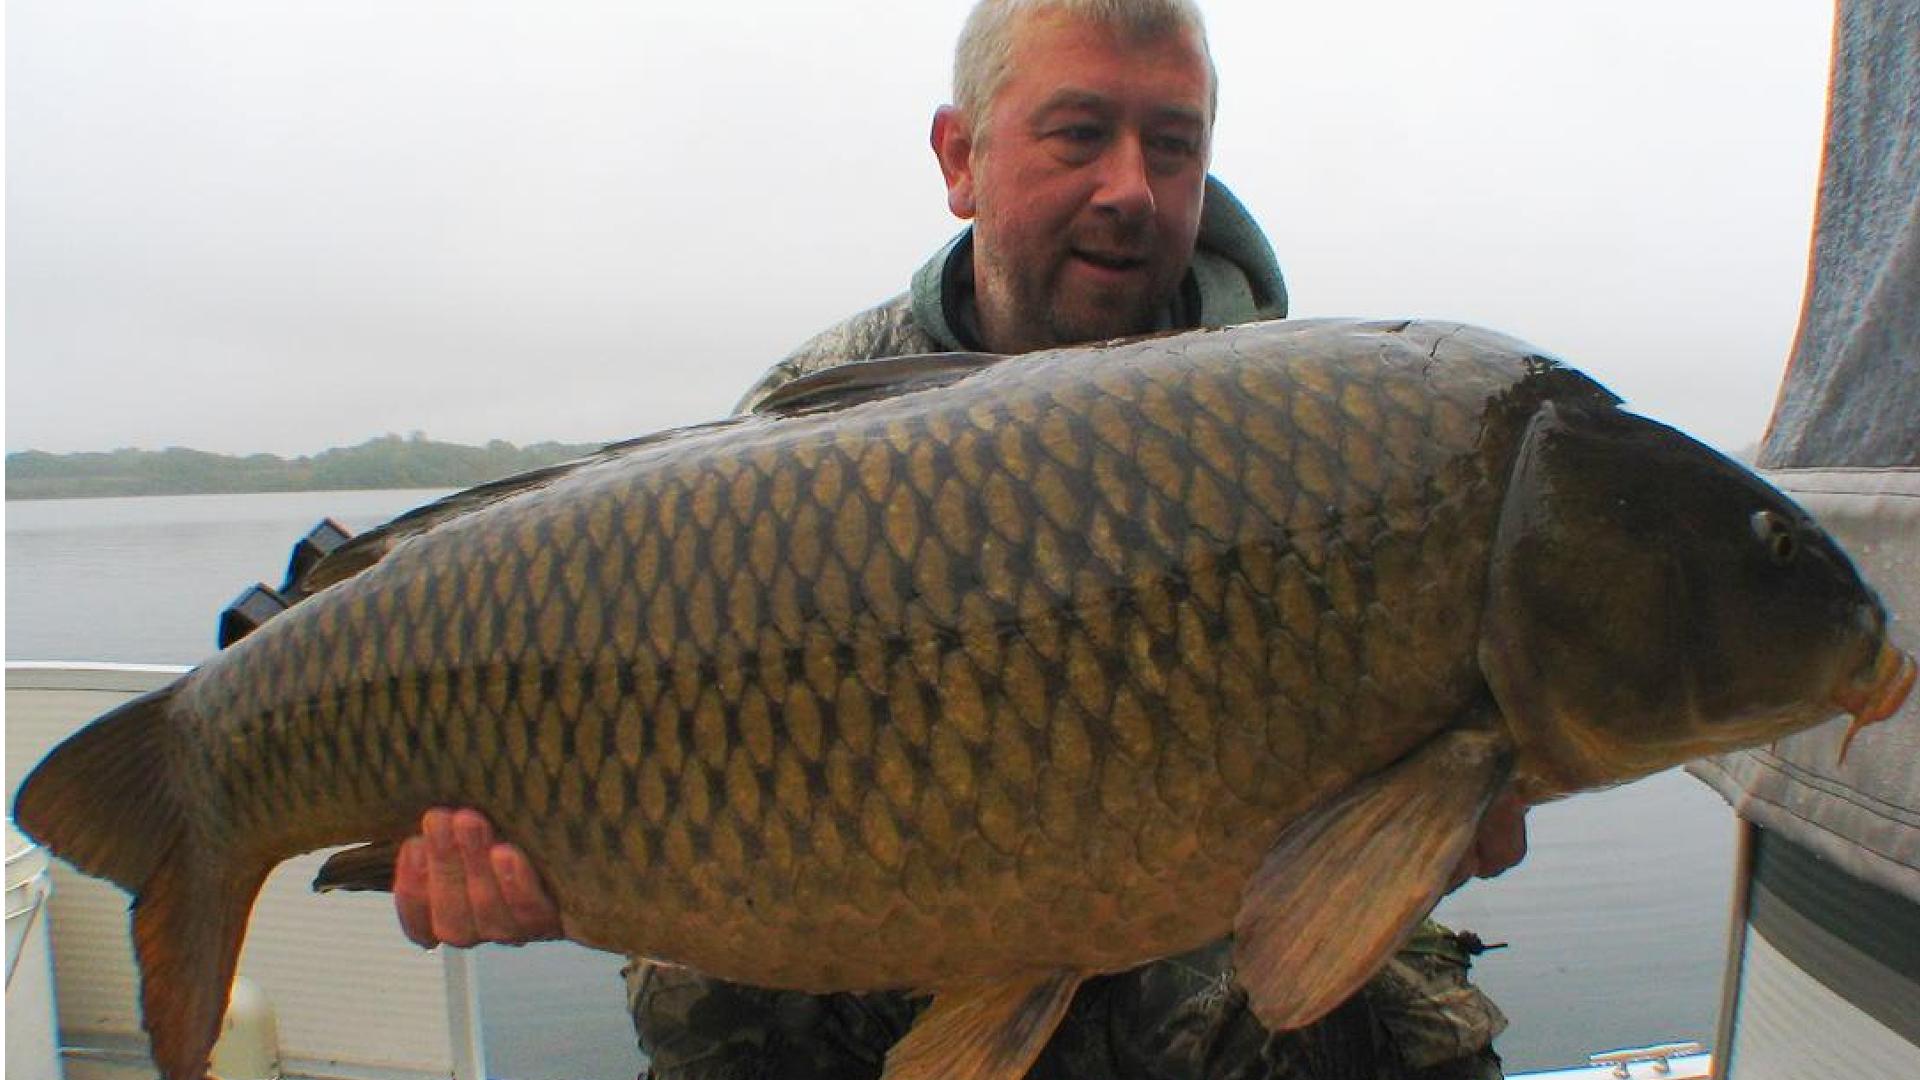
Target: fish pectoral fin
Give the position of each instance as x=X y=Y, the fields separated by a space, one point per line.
x=1349 y=881
x=367 y=868
x=984 y=1031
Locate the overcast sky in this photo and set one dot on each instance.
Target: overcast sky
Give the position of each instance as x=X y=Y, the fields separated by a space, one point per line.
x=244 y=225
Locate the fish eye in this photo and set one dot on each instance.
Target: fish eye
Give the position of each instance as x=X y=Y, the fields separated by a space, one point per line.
x=1778 y=534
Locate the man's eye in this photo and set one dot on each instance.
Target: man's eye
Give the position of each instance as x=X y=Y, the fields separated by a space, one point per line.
x=1173 y=146
x=1077 y=144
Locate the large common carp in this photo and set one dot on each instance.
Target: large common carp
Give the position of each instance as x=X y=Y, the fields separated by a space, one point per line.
x=982 y=676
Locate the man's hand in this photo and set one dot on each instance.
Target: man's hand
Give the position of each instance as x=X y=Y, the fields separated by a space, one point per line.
x=455 y=884
x=1499 y=845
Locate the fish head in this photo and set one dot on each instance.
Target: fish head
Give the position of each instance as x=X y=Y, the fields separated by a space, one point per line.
x=1651 y=601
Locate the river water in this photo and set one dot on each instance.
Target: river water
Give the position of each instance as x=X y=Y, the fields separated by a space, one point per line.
x=1615 y=923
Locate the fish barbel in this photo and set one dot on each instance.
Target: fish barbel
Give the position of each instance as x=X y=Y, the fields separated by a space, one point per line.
x=982 y=675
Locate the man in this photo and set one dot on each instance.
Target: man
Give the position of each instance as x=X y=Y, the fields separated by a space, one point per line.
x=1077 y=145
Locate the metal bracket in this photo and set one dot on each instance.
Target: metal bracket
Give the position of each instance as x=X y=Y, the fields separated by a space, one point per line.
x=1659 y=1055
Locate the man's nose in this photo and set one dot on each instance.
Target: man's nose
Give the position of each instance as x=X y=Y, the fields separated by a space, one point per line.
x=1125 y=187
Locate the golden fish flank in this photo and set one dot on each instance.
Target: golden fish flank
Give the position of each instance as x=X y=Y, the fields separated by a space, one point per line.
x=1062 y=664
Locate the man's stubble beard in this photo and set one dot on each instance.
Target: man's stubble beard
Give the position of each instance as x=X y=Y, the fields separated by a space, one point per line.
x=1039 y=319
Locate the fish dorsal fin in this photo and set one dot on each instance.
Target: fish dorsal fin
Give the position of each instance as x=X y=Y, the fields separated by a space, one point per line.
x=1350 y=881
x=860 y=381
x=984 y=1031
x=371 y=546
x=834 y=388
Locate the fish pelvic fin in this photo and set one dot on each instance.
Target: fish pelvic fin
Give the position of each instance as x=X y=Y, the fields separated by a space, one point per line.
x=102 y=800
x=984 y=1031
x=1348 y=882
x=188 y=925
x=367 y=868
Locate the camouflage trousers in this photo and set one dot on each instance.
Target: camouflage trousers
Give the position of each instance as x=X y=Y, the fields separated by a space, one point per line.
x=1176 y=1019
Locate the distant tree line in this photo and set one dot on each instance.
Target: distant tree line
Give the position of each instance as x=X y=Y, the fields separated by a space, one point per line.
x=386 y=462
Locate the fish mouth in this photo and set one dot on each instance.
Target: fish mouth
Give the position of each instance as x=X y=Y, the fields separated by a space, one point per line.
x=1877 y=696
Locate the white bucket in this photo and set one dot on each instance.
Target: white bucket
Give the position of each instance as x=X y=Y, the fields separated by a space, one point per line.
x=32 y=1050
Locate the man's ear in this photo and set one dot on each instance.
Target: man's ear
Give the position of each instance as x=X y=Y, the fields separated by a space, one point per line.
x=952 y=140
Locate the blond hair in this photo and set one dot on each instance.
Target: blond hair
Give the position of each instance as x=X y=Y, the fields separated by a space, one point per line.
x=981 y=58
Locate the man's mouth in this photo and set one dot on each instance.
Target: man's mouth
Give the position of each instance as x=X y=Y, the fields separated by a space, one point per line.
x=1110 y=261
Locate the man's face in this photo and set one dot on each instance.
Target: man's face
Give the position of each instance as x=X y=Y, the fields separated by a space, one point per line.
x=1085 y=184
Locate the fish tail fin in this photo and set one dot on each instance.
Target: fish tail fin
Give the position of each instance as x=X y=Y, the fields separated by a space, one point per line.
x=367 y=868
x=106 y=801
x=188 y=924
x=103 y=800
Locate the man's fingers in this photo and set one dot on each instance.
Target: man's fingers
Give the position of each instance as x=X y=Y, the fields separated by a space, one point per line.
x=457 y=884
x=453 y=922
x=491 y=918
x=534 y=912
x=1498 y=845
x=410 y=893
x=1502 y=840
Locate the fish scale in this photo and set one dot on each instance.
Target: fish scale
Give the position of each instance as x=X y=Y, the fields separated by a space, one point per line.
x=1052 y=668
